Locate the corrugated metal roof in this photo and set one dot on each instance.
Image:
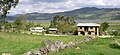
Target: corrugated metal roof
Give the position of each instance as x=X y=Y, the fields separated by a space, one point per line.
x=87 y=24
x=52 y=28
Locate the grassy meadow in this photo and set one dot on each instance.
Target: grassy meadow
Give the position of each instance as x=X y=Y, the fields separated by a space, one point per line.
x=17 y=43
x=114 y=25
x=100 y=47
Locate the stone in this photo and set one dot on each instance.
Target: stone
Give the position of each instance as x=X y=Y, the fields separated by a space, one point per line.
x=65 y=46
x=49 y=45
x=28 y=53
x=48 y=42
x=77 y=48
x=37 y=52
x=116 y=42
x=59 y=45
x=52 y=47
x=70 y=44
x=87 y=39
x=6 y=53
x=81 y=41
x=90 y=37
x=44 y=50
x=76 y=41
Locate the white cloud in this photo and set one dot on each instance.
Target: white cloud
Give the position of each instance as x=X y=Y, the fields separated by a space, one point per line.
x=52 y=6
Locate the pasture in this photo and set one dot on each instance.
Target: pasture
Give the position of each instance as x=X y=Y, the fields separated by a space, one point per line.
x=17 y=43
x=99 y=47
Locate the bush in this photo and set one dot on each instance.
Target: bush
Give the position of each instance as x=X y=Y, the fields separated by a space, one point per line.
x=115 y=32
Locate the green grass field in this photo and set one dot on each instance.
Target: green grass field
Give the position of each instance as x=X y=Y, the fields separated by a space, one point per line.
x=18 y=44
x=114 y=25
x=100 y=47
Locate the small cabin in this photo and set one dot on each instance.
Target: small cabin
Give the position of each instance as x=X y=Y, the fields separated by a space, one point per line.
x=88 y=29
x=37 y=29
x=52 y=30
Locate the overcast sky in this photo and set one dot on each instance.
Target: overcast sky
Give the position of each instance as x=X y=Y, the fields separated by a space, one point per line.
x=52 y=6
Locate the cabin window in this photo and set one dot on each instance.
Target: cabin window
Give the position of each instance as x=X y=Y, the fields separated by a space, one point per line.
x=80 y=27
x=38 y=29
x=86 y=28
x=95 y=33
x=33 y=29
x=83 y=33
x=91 y=27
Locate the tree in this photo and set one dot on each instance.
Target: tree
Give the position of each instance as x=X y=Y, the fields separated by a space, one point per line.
x=29 y=25
x=19 y=23
x=6 y=5
x=103 y=27
x=64 y=24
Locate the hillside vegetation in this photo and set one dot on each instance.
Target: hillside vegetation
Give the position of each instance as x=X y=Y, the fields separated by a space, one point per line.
x=83 y=13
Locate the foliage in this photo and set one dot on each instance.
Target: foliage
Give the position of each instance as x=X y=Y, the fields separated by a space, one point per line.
x=6 y=5
x=64 y=24
x=7 y=26
x=115 y=32
x=103 y=27
x=29 y=25
x=19 y=23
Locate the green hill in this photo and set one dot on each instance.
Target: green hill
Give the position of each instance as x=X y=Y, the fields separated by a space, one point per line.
x=83 y=13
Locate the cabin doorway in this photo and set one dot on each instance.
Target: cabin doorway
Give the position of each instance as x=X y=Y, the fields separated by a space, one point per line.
x=86 y=28
x=83 y=33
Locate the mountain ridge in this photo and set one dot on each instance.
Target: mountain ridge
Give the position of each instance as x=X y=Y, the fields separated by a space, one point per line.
x=82 y=13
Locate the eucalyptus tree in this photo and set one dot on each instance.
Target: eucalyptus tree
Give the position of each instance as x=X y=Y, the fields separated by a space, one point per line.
x=20 y=23
x=63 y=23
x=5 y=6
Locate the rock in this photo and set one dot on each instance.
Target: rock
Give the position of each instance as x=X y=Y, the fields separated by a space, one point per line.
x=59 y=45
x=44 y=50
x=6 y=53
x=70 y=44
x=81 y=41
x=77 y=48
x=86 y=39
x=65 y=46
x=52 y=48
x=117 y=43
x=76 y=41
x=90 y=37
x=28 y=53
x=48 y=42
x=37 y=52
